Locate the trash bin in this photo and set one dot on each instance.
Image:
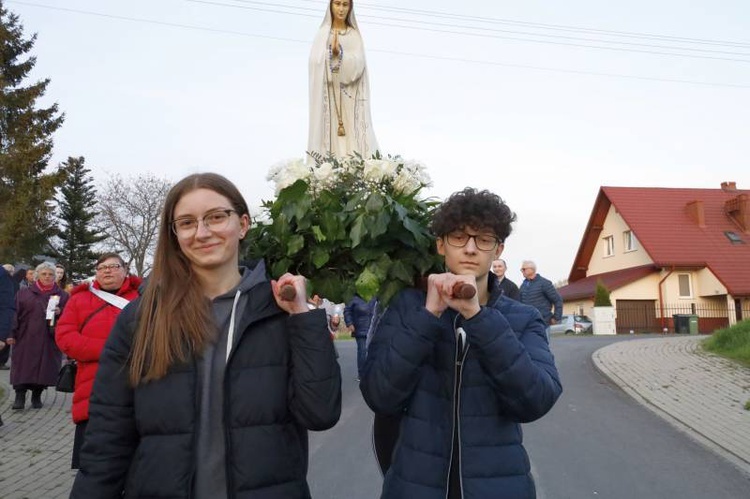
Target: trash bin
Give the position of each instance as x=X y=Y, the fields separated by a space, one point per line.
x=682 y=323
x=693 y=324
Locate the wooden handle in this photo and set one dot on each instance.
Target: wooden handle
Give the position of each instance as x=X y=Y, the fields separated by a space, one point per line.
x=463 y=291
x=288 y=293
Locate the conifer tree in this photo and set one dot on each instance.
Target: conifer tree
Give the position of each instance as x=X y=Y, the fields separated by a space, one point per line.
x=77 y=211
x=26 y=188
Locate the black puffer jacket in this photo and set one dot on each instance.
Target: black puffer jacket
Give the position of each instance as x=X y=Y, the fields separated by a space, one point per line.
x=281 y=380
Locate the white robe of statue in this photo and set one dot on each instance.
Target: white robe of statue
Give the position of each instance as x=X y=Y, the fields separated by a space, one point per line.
x=344 y=93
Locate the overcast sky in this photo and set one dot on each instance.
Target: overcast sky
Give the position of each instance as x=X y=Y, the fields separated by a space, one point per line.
x=540 y=101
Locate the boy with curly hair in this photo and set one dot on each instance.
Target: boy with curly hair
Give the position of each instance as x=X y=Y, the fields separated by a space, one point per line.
x=461 y=373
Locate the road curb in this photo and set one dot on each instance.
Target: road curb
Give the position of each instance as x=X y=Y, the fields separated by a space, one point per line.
x=628 y=384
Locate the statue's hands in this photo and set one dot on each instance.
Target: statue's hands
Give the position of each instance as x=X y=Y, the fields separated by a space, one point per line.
x=335 y=43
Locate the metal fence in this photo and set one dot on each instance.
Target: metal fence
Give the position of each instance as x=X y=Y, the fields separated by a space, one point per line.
x=647 y=316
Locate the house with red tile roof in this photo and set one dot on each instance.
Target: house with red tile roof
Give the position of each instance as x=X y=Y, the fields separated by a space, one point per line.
x=665 y=251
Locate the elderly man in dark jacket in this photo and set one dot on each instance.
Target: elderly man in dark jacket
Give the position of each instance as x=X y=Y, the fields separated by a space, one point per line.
x=462 y=370
x=541 y=294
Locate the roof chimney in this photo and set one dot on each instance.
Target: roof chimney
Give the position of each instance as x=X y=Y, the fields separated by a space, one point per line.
x=729 y=186
x=696 y=212
x=738 y=209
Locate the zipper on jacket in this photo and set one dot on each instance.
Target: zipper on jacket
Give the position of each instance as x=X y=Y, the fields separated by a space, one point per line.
x=194 y=442
x=225 y=401
x=456 y=432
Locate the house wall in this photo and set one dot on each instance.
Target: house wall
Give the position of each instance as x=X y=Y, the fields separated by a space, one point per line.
x=646 y=288
x=704 y=286
x=578 y=307
x=708 y=285
x=615 y=226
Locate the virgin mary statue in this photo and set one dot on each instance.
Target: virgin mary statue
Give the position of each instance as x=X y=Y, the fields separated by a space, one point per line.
x=340 y=121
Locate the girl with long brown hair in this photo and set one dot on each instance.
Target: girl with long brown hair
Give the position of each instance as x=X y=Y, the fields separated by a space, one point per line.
x=209 y=382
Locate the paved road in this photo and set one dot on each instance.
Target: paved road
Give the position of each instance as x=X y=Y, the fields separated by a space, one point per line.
x=698 y=392
x=600 y=442
x=35 y=447
x=597 y=442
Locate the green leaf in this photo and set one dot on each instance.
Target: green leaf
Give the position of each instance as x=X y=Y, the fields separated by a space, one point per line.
x=320 y=257
x=296 y=243
x=374 y=203
x=400 y=270
x=358 y=230
x=381 y=267
x=319 y=236
x=367 y=284
x=363 y=255
x=379 y=225
x=280 y=268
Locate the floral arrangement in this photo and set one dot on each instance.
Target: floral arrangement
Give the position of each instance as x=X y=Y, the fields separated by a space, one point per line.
x=350 y=225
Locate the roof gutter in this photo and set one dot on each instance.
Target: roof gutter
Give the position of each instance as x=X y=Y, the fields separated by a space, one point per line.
x=661 y=298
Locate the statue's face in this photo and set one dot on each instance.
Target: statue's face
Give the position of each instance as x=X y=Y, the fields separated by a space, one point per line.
x=340 y=9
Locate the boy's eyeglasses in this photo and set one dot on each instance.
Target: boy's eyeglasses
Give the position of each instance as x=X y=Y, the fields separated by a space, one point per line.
x=483 y=242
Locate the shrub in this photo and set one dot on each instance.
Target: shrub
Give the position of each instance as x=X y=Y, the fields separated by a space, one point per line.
x=601 y=298
x=732 y=342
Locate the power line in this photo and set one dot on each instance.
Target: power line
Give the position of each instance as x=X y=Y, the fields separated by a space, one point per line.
x=511 y=22
x=491 y=33
x=406 y=54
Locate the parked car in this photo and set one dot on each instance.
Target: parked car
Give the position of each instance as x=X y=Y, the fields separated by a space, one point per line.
x=572 y=324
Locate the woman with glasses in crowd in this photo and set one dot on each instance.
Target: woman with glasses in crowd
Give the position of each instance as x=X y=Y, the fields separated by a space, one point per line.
x=210 y=381
x=36 y=358
x=84 y=327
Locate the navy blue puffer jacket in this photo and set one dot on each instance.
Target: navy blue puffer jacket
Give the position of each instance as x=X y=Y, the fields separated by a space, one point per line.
x=508 y=377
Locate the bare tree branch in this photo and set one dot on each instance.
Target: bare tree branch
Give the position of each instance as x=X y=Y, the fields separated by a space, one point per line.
x=129 y=216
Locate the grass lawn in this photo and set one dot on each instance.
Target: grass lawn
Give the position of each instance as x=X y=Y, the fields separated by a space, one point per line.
x=732 y=342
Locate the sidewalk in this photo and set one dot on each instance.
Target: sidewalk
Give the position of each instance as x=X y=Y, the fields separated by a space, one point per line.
x=700 y=393
x=35 y=446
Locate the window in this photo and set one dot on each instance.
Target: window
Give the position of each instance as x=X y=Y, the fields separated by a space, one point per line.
x=733 y=237
x=631 y=243
x=685 y=289
x=609 y=246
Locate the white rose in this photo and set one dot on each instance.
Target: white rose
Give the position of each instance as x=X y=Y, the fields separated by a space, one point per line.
x=323 y=174
x=405 y=182
x=377 y=169
x=418 y=172
x=285 y=173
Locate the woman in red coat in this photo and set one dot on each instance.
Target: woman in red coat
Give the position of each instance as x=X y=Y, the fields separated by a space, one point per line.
x=84 y=327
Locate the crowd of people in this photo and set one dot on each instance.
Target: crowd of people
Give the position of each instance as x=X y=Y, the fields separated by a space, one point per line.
x=211 y=366
x=204 y=379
